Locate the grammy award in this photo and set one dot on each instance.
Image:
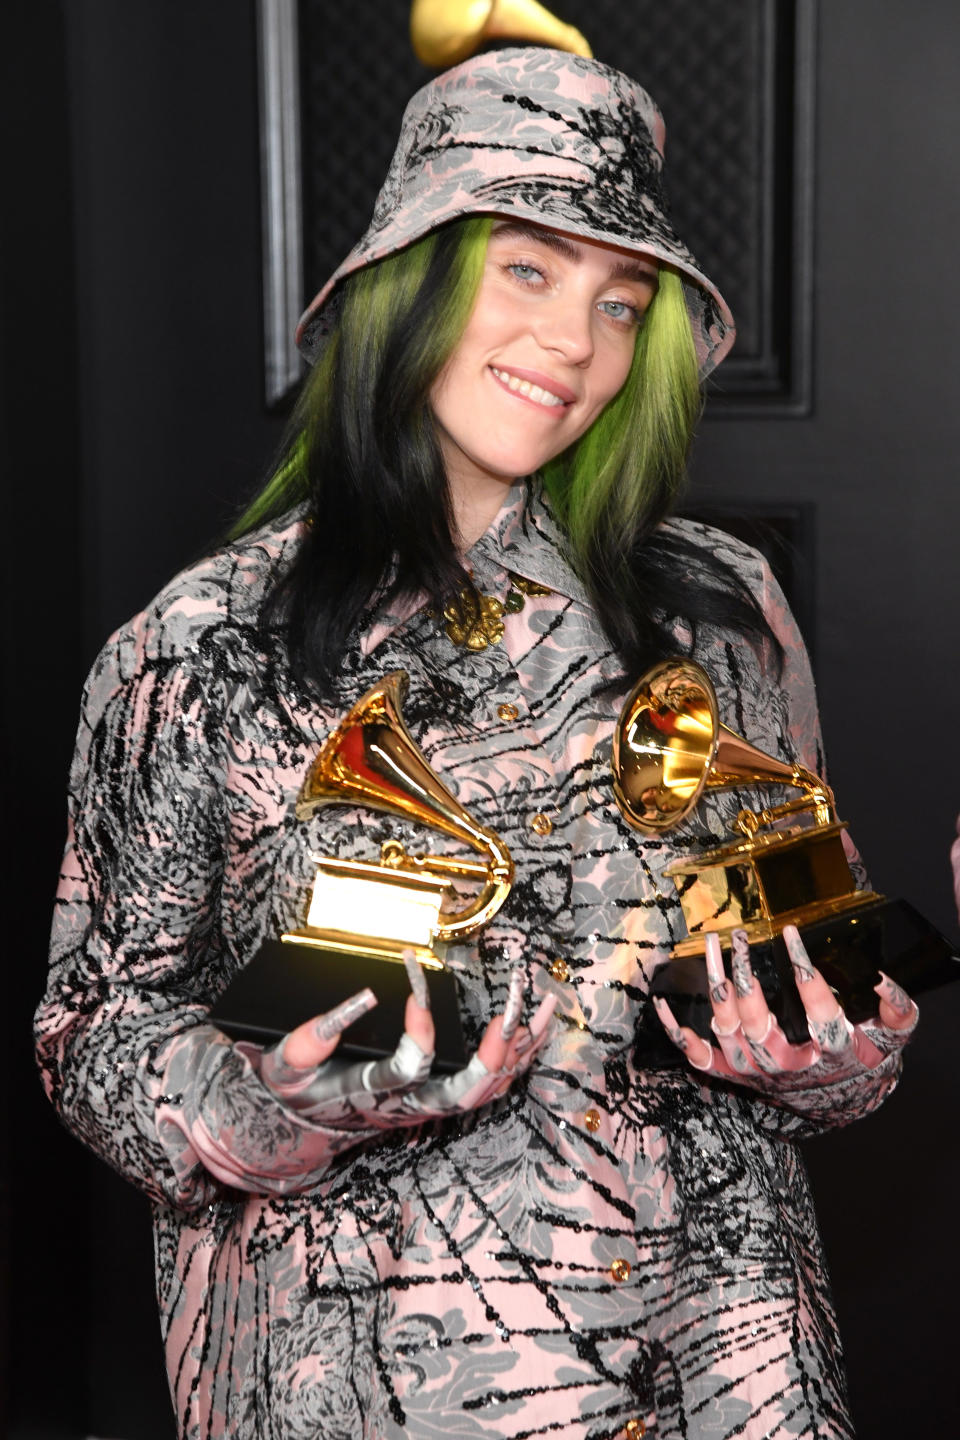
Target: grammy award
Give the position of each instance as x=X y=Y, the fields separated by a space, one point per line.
x=361 y=915
x=444 y=32
x=785 y=865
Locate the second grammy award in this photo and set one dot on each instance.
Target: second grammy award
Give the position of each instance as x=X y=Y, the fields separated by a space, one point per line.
x=784 y=865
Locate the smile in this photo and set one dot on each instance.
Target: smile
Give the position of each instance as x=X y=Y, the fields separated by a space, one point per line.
x=528 y=390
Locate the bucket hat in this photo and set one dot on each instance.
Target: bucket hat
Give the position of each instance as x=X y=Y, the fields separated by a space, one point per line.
x=546 y=136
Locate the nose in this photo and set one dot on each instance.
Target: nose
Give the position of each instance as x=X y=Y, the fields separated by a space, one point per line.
x=564 y=326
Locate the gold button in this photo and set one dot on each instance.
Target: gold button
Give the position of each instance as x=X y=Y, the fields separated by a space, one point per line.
x=592 y=1121
x=620 y=1270
x=560 y=970
x=507 y=712
x=541 y=823
x=635 y=1429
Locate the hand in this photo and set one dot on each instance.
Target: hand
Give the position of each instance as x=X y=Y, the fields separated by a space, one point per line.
x=752 y=1044
x=397 y=1091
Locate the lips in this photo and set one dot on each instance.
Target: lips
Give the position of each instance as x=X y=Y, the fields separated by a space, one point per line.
x=532 y=385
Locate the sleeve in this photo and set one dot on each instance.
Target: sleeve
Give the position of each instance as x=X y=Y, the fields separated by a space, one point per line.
x=846 y=1094
x=126 y=1052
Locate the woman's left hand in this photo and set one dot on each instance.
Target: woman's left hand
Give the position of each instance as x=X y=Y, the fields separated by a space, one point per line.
x=753 y=1048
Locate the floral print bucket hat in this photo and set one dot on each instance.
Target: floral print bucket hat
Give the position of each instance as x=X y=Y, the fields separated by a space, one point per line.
x=545 y=136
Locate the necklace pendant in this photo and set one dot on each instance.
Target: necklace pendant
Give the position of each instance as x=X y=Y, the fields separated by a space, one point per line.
x=473 y=625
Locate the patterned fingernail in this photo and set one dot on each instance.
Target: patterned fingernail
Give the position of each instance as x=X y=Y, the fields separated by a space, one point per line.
x=336 y=1021
x=743 y=977
x=418 y=981
x=669 y=1023
x=803 y=971
x=894 y=994
x=719 y=985
x=514 y=1005
x=833 y=1035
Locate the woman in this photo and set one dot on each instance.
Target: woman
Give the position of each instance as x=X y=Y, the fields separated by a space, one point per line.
x=557 y=1240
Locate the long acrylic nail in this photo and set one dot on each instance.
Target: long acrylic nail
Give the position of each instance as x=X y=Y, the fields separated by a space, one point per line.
x=669 y=1023
x=803 y=970
x=336 y=1021
x=418 y=981
x=513 y=1007
x=719 y=986
x=743 y=977
x=894 y=994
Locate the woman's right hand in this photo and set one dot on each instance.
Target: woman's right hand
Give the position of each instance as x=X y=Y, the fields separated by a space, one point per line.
x=304 y=1073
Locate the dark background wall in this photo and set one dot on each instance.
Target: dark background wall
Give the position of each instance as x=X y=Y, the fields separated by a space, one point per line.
x=130 y=423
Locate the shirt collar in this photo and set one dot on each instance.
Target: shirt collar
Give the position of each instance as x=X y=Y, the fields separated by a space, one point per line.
x=526 y=539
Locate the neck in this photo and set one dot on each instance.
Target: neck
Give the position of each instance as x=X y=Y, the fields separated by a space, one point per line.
x=476 y=504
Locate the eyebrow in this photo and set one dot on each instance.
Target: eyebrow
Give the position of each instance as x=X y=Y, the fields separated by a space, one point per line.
x=620 y=270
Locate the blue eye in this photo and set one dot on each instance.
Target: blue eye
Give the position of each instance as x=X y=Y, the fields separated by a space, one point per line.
x=620 y=310
x=525 y=272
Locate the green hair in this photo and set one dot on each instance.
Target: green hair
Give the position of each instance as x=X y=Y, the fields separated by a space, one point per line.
x=376 y=307
x=626 y=471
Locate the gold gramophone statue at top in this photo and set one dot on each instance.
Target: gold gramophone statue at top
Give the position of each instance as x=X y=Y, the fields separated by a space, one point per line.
x=785 y=865
x=362 y=914
x=444 y=32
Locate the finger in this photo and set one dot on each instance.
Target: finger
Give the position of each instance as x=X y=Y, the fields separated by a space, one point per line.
x=513 y=1007
x=698 y=1051
x=897 y=1010
x=955 y=862
x=418 y=981
x=751 y=1004
x=540 y=1025
x=722 y=998
x=492 y=1050
x=835 y=1039
x=417 y=1019
x=315 y=1041
x=819 y=1001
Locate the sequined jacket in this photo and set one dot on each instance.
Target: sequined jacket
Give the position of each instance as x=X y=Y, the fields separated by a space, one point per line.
x=605 y=1251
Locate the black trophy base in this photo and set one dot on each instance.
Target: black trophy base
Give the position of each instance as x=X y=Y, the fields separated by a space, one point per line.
x=848 y=949
x=286 y=984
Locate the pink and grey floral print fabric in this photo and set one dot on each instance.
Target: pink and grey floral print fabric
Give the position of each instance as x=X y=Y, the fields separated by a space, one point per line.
x=604 y=1244
x=538 y=135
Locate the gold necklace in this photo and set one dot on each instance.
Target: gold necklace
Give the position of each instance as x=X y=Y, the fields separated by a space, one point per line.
x=475 y=620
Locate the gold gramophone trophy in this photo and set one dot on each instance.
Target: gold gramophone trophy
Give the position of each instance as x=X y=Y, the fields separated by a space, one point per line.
x=786 y=865
x=444 y=32
x=362 y=915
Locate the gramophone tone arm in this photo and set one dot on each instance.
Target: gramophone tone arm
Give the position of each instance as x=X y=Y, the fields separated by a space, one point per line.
x=495 y=873
x=394 y=855
x=818 y=798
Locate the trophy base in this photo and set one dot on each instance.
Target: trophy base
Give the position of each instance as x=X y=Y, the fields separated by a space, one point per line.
x=286 y=984
x=848 y=950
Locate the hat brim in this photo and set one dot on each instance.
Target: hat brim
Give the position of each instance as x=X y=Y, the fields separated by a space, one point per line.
x=711 y=320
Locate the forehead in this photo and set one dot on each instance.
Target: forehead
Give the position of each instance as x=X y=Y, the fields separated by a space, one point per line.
x=625 y=264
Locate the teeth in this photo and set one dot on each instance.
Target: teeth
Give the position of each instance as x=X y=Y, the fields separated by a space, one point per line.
x=524 y=387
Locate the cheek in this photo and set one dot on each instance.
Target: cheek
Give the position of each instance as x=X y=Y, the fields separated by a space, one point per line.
x=610 y=377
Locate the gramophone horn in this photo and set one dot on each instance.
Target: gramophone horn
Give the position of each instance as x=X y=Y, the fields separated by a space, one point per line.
x=669 y=748
x=372 y=760
x=444 y=32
